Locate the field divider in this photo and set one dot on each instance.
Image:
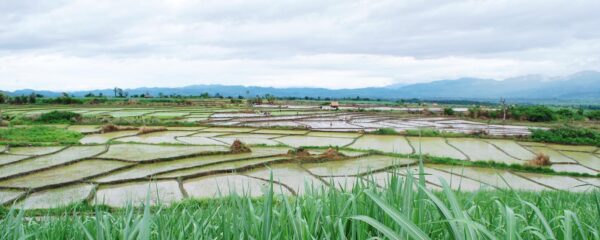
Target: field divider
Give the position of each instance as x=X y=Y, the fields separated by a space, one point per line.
x=184 y=192
x=18 y=198
x=502 y=150
x=464 y=176
x=457 y=149
x=370 y=172
x=533 y=181
x=32 y=156
x=151 y=176
x=53 y=166
x=353 y=140
x=413 y=149
x=166 y=159
x=273 y=181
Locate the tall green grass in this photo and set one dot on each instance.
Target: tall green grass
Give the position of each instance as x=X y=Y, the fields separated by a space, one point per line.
x=402 y=209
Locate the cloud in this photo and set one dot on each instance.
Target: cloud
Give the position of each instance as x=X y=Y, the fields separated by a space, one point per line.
x=335 y=44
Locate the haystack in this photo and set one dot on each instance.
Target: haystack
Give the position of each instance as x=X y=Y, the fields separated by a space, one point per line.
x=239 y=147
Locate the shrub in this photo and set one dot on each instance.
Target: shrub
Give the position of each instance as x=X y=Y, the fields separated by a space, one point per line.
x=593 y=115
x=567 y=135
x=386 y=131
x=448 y=111
x=532 y=113
x=59 y=117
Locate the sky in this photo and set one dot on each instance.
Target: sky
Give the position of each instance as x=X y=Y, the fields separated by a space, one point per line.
x=82 y=45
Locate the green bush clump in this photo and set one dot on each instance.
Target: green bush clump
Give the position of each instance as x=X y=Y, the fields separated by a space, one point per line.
x=39 y=134
x=386 y=131
x=532 y=113
x=567 y=135
x=593 y=115
x=59 y=117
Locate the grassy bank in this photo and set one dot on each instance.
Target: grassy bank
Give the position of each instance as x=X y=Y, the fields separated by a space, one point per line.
x=403 y=209
x=36 y=135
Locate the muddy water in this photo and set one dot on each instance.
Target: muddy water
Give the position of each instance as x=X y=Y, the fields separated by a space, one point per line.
x=355 y=166
x=586 y=159
x=70 y=173
x=9 y=158
x=144 y=170
x=142 y=152
x=576 y=168
x=512 y=148
x=8 y=195
x=589 y=149
x=391 y=144
x=557 y=182
x=478 y=150
x=229 y=166
x=435 y=147
x=199 y=141
x=555 y=156
x=290 y=175
x=282 y=132
x=454 y=180
x=62 y=157
x=57 y=197
x=105 y=137
x=160 y=192
x=226 y=130
x=299 y=141
x=34 y=151
x=492 y=177
x=226 y=184
x=157 y=137
x=334 y=134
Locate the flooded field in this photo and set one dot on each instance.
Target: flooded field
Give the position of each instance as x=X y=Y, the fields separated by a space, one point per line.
x=309 y=117
x=118 y=168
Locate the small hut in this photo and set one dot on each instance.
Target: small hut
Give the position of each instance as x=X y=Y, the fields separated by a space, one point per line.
x=335 y=105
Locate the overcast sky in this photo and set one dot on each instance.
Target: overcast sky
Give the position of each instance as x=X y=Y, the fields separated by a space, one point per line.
x=77 y=45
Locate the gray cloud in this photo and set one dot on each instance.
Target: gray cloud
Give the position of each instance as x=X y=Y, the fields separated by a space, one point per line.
x=90 y=44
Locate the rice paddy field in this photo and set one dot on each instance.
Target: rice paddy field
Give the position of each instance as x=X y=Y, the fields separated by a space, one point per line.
x=325 y=175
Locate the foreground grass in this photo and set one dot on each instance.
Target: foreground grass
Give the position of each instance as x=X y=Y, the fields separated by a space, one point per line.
x=403 y=209
x=38 y=134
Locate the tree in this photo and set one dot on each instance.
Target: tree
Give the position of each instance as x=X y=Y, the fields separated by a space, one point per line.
x=3 y=98
x=32 y=97
x=448 y=111
x=90 y=95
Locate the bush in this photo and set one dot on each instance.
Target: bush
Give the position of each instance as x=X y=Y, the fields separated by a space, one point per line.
x=448 y=111
x=386 y=131
x=59 y=117
x=532 y=113
x=567 y=135
x=593 y=115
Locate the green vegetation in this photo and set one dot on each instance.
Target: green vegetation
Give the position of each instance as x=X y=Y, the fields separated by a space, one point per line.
x=403 y=209
x=593 y=115
x=58 y=117
x=38 y=134
x=429 y=132
x=567 y=135
x=386 y=131
x=500 y=165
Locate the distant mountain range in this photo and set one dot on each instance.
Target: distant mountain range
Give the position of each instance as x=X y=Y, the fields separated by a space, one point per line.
x=579 y=86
